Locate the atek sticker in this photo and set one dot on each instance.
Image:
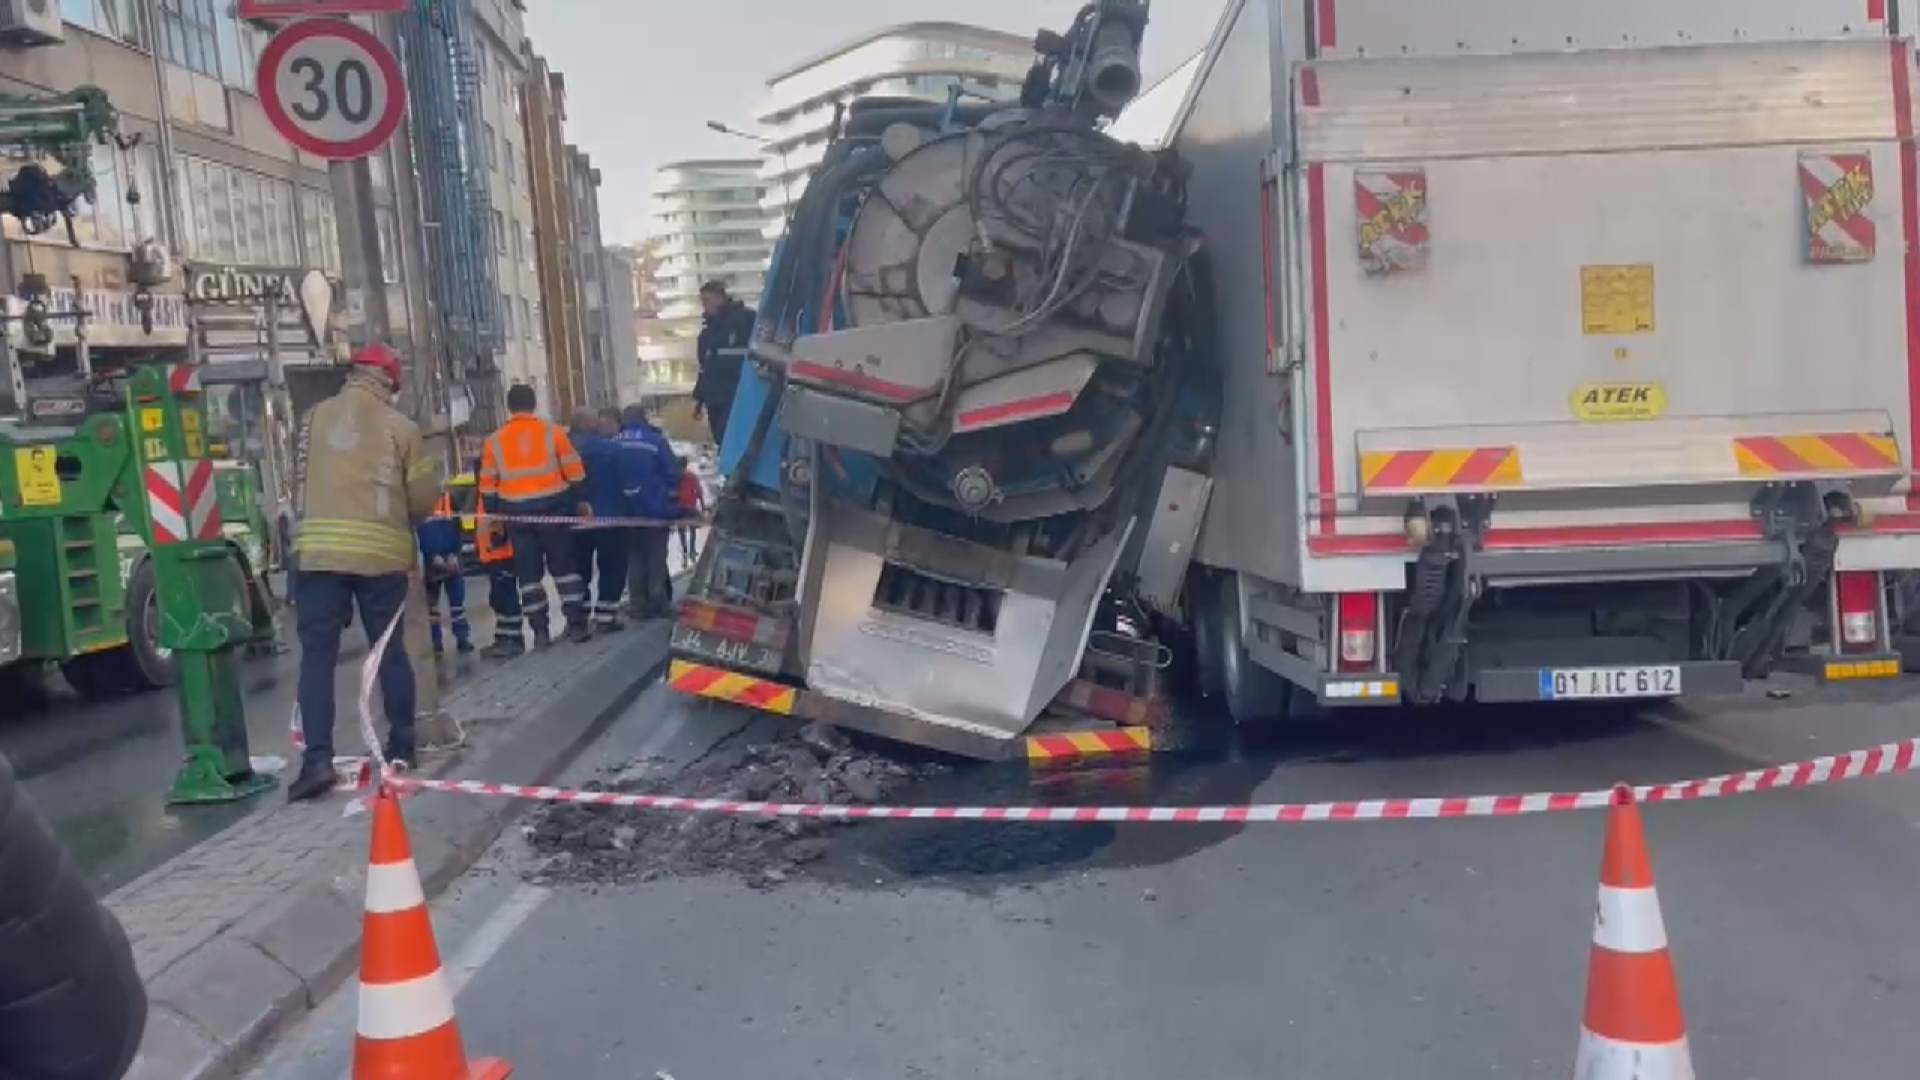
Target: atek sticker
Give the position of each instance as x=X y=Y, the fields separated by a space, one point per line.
x=1608 y=402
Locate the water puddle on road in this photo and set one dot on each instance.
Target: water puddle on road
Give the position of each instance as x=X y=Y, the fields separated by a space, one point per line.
x=987 y=855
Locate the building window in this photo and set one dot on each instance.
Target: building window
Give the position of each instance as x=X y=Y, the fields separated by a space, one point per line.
x=189 y=35
x=506 y=314
x=507 y=145
x=320 y=230
x=240 y=44
x=519 y=250
x=482 y=62
x=493 y=153
x=388 y=226
x=234 y=216
x=117 y=19
x=499 y=234
x=528 y=314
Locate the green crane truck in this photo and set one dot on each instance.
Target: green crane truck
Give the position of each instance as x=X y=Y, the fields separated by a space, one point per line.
x=76 y=579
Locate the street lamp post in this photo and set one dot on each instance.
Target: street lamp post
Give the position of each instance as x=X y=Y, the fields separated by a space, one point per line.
x=786 y=182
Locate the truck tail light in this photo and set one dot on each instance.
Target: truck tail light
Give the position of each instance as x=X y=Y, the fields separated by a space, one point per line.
x=1358 y=616
x=1856 y=595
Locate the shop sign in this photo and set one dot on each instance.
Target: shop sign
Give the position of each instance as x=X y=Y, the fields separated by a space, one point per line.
x=113 y=320
x=309 y=292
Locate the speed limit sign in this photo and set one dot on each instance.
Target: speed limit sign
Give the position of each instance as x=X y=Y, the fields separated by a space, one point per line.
x=331 y=88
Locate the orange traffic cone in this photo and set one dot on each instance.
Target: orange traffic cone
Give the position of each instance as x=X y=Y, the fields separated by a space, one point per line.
x=1633 y=1028
x=406 y=1029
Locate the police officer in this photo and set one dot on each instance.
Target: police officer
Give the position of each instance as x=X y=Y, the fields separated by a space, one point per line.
x=363 y=483
x=495 y=553
x=529 y=468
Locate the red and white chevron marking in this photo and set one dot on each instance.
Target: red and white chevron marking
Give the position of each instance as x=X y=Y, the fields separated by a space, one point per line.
x=1887 y=760
x=184 y=379
x=182 y=501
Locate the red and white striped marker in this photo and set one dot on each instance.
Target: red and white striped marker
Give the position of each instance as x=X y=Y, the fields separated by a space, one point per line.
x=183 y=501
x=1887 y=760
x=184 y=379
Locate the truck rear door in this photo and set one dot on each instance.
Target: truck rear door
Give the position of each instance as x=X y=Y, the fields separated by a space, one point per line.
x=1620 y=264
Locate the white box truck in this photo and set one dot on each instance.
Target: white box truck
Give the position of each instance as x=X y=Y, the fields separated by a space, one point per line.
x=1569 y=350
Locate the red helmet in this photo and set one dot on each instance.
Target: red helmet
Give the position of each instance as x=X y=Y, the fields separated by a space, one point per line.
x=380 y=357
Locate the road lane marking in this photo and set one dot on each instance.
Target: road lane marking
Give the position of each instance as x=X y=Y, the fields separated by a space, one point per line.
x=494 y=933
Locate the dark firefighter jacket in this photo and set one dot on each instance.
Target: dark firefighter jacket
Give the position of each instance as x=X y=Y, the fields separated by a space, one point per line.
x=71 y=1003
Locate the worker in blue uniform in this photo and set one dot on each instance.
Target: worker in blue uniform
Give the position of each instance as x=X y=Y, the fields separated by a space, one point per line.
x=446 y=580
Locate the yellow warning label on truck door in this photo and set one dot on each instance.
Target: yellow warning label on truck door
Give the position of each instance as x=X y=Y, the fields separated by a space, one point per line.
x=1596 y=403
x=39 y=481
x=1616 y=300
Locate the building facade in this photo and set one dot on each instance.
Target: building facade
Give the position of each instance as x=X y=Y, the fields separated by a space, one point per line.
x=590 y=263
x=926 y=61
x=543 y=104
x=501 y=68
x=623 y=338
x=705 y=224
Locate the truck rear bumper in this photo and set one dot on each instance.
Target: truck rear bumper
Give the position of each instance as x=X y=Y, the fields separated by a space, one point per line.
x=766 y=695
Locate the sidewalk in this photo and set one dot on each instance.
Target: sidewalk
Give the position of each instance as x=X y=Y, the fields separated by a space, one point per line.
x=241 y=934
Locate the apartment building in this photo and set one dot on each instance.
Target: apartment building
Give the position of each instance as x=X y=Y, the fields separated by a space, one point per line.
x=500 y=58
x=704 y=225
x=590 y=261
x=623 y=336
x=210 y=180
x=926 y=61
x=543 y=104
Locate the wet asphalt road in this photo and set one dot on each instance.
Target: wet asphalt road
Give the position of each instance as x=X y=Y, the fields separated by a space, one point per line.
x=99 y=771
x=1442 y=949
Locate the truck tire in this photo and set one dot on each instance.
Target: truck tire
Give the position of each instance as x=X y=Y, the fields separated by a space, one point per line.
x=139 y=665
x=1253 y=694
x=1203 y=634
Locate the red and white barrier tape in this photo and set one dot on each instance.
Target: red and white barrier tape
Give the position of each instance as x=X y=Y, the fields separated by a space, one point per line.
x=577 y=520
x=1887 y=760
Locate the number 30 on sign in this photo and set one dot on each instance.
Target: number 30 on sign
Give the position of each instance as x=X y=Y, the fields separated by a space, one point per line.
x=331 y=89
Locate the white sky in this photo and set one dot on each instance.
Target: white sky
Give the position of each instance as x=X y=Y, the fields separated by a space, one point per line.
x=644 y=76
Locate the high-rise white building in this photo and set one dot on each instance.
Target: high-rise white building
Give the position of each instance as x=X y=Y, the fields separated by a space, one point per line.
x=921 y=60
x=705 y=225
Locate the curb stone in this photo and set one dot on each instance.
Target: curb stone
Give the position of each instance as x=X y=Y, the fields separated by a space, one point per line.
x=212 y=1013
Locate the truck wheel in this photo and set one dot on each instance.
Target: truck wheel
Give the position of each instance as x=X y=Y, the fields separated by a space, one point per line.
x=1253 y=694
x=149 y=666
x=1204 y=633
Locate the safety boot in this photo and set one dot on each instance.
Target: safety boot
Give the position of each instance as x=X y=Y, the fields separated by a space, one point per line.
x=315 y=780
x=542 y=637
x=502 y=649
x=579 y=633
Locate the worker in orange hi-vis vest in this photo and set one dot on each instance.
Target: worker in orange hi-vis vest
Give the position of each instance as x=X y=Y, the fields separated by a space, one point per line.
x=503 y=590
x=530 y=469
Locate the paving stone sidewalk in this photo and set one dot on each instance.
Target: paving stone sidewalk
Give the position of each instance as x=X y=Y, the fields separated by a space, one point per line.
x=248 y=930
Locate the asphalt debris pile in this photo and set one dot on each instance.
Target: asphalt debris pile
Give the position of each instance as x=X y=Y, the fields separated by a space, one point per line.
x=596 y=845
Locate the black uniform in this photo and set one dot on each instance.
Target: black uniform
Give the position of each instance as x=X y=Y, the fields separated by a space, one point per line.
x=71 y=1003
x=722 y=352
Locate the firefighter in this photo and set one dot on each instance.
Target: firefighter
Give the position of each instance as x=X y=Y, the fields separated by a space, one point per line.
x=530 y=469
x=363 y=482
x=495 y=553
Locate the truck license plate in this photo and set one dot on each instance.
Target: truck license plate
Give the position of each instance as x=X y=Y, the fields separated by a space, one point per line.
x=725 y=652
x=1575 y=684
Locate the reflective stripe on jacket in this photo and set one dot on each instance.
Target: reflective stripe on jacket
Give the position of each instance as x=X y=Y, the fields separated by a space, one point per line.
x=363 y=483
x=529 y=460
x=485 y=547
